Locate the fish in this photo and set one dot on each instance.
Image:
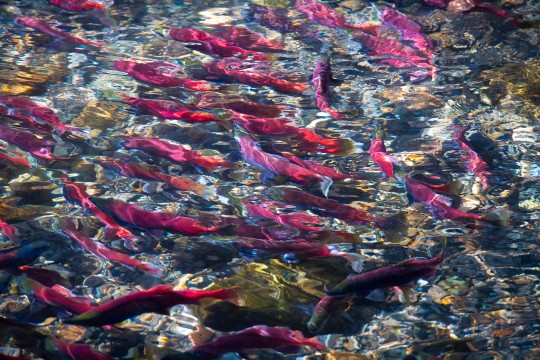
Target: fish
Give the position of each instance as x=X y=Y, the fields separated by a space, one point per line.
x=158 y=299
x=147 y=172
x=248 y=39
x=379 y=155
x=401 y=274
x=440 y=204
x=77 y=5
x=333 y=208
x=59 y=296
x=134 y=215
x=174 y=152
x=310 y=140
x=318 y=168
x=322 y=14
x=475 y=163
x=209 y=100
x=25 y=140
x=321 y=80
x=49 y=28
x=272 y=17
x=160 y=73
x=300 y=248
x=396 y=54
x=43 y=276
x=23 y=255
x=325 y=309
x=76 y=193
x=240 y=72
x=299 y=220
x=465 y=6
x=103 y=252
x=18 y=159
x=257 y=337
x=212 y=45
x=165 y=109
x=24 y=108
x=275 y=164
x=408 y=28
x=10 y=232
x=78 y=351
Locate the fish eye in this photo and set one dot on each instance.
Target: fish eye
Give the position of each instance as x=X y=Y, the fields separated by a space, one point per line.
x=44 y=151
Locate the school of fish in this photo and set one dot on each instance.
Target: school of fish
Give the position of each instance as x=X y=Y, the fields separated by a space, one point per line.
x=293 y=214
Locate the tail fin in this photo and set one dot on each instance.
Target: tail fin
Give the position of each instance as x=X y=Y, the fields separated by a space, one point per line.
x=326 y=182
x=231 y=295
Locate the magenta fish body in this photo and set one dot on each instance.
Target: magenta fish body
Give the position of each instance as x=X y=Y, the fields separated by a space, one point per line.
x=441 y=204
x=25 y=140
x=77 y=5
x=245 y=38
x=322 y=75
x=103 y=252
x=475 y=163
x=134 y=215
x=212 y=45
x=173 y=152
x=49 y=29
x=409 y=29
x=169 y=110
x=257 y=337
x=380 y=157
x=318 y=168
x=61 y=297
x=385 y=277
x=277 y=164
x=160 y=73
x=158 y=299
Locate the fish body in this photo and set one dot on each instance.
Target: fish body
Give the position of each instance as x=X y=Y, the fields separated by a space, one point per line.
x=240 y=106
x=153 y=173
x=49 y=29
x=23 y=255
x=213 y=45
x=409 y=29
x=441 y=204
x=475 y=163
x=257 y=337
x=234 y=69
x=22 y=108
x=165 y=109
x=321 y=80
x=103 y=252
x=160 y=73
x=322 y=14
x=327 y=307
x=276 y=164
x=272 y=17
x=158 y=299
x=59 y=296
x=43 y=276
x=18 y=159
x=244 y=37
x=79 y=351
x=134 y=215
x=389 y=276
x=465 y=6
x=310 y=140
x=173 y=152
x=298 y=220
x=25 y=140
x=77 y=5
x=76 y=192
x=318 y=168
x=380 y=157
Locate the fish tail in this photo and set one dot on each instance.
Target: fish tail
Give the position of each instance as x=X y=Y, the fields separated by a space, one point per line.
x=394 y=226
x=356 y=260
x=326 y=182
x=231 y=295
x=151 y=269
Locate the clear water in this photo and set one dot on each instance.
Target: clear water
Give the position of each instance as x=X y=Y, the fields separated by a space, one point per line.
x=482 y=302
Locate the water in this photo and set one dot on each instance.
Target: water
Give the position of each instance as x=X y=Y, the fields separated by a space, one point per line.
x=482 y=74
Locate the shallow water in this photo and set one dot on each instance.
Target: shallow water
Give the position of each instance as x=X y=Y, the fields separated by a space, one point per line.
x=483 y=73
